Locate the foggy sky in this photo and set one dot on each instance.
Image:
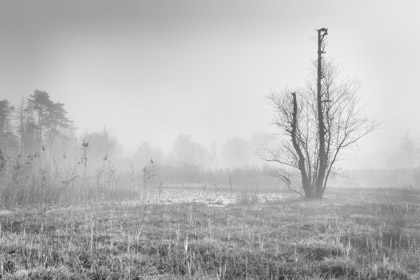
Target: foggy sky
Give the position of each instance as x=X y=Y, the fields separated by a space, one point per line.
x=150 y=70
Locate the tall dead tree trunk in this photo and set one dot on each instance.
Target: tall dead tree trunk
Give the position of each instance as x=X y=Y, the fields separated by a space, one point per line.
x=321 y=126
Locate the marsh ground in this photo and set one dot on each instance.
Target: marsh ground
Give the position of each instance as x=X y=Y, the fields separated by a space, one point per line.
x=264 y=234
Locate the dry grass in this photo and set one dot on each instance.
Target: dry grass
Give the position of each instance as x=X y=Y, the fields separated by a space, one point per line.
x=34 y=180
x=351 y=234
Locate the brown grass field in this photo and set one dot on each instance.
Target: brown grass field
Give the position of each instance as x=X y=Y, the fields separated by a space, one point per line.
x=350 y=234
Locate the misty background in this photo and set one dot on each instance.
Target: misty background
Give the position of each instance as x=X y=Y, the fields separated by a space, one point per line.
x=185 y=82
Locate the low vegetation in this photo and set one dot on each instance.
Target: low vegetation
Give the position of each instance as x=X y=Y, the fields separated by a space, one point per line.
x=362 y=234
x=78 y=222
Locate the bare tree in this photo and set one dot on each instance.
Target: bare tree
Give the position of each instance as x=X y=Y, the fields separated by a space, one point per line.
x=317 y=123
x=7 y=137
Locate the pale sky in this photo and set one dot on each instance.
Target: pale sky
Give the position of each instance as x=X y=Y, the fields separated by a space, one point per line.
x=150 y=70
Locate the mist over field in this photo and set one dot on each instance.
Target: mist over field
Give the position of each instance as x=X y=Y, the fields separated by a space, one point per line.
x=187 y=83
x=191 y=139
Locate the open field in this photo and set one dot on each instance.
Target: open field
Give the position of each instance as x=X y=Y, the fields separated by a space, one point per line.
x=351 y=234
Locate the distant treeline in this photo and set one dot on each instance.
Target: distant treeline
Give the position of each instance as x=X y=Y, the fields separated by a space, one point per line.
x=40 y=125
x=403 y=177
x=224 y=177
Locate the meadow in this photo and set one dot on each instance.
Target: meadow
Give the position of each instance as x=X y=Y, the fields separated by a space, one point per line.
x=361 y=235
x=56 y=225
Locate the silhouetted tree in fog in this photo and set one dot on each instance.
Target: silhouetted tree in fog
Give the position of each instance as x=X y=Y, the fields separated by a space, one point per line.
x=101 y=145
x=39 y=103
x=26 y=129
x=145 y=152
x=408 y=152
x=8 y=140
x=57 y=122
x=236 y=151
x=317 y=123
x=187 y=151
x=47 y=117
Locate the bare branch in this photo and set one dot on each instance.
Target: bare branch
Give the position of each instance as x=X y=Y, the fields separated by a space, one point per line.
x=320 y=122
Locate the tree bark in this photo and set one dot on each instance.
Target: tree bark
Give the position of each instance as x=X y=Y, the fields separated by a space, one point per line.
x=321 y=126
x=301 y=164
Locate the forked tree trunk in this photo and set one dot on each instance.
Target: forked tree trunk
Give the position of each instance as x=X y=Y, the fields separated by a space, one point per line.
x=319 y=127
x=313 y=190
